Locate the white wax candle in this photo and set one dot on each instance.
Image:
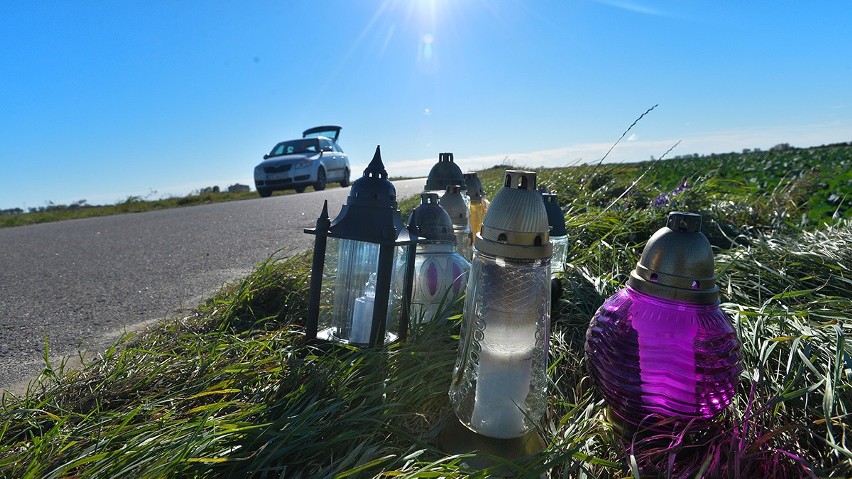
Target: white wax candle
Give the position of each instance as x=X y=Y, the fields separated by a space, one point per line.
x=362 y=320
x=502 y=385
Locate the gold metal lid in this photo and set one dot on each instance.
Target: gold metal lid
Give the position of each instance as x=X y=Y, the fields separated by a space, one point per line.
x=515 y=225
x=677 y=263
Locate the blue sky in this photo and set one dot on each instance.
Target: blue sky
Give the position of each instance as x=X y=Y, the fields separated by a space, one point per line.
x=104 y=100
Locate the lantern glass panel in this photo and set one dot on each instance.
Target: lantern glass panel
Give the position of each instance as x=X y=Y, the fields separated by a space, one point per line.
x=395 y=304
x=348 y=293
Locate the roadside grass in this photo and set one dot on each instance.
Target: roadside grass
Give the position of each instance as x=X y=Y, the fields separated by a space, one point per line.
x=132 y=204
x=232 y=391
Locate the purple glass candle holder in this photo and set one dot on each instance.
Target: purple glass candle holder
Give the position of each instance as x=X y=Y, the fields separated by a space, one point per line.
x=662 y=345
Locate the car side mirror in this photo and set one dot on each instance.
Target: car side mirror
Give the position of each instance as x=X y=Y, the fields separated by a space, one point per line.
x=266 y=156
x=326 y=148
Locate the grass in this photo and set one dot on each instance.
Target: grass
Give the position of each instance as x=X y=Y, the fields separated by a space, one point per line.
x=232 y=390
x=132 y=204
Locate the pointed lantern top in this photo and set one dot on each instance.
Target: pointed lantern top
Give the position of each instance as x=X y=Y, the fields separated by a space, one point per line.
x=373 y=189
x=376 y=169
x=370 y=213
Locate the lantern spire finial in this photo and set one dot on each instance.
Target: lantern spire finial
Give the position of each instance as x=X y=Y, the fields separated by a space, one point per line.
x=376 y=168
x=323 y=222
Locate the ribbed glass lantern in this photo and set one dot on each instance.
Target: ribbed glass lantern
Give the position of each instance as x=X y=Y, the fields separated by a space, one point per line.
x=362 y=270
x=662 y=345
x=499 y=382
x=478 y=203
x=440 y=273
x=558 y=232
x=454 y=203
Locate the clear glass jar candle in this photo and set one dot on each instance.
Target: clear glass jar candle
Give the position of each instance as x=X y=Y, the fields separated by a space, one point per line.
x=499 y=385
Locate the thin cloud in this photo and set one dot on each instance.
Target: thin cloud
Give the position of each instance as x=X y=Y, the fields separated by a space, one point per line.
x=634 y=7
x=552 y=158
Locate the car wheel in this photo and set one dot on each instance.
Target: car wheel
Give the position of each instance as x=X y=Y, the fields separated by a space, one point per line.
x=320 y=184
x=264 y=193
x=300 y=189
x=345 y=181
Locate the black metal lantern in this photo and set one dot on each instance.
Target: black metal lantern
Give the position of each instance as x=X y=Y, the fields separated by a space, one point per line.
x=363 y=264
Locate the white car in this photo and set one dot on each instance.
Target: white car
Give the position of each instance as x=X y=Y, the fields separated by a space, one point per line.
x=314 y=160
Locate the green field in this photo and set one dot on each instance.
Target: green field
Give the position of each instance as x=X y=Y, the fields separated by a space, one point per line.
x=232 y=391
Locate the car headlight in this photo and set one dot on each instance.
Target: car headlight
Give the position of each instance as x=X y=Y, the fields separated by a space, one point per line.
x=303 y=164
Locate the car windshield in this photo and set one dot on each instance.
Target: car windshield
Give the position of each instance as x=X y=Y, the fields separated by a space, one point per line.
x=307 y=145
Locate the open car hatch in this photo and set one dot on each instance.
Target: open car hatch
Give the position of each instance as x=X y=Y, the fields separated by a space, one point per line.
x=328 y=131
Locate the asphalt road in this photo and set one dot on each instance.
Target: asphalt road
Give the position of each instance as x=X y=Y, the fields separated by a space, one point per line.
x=81 y=284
